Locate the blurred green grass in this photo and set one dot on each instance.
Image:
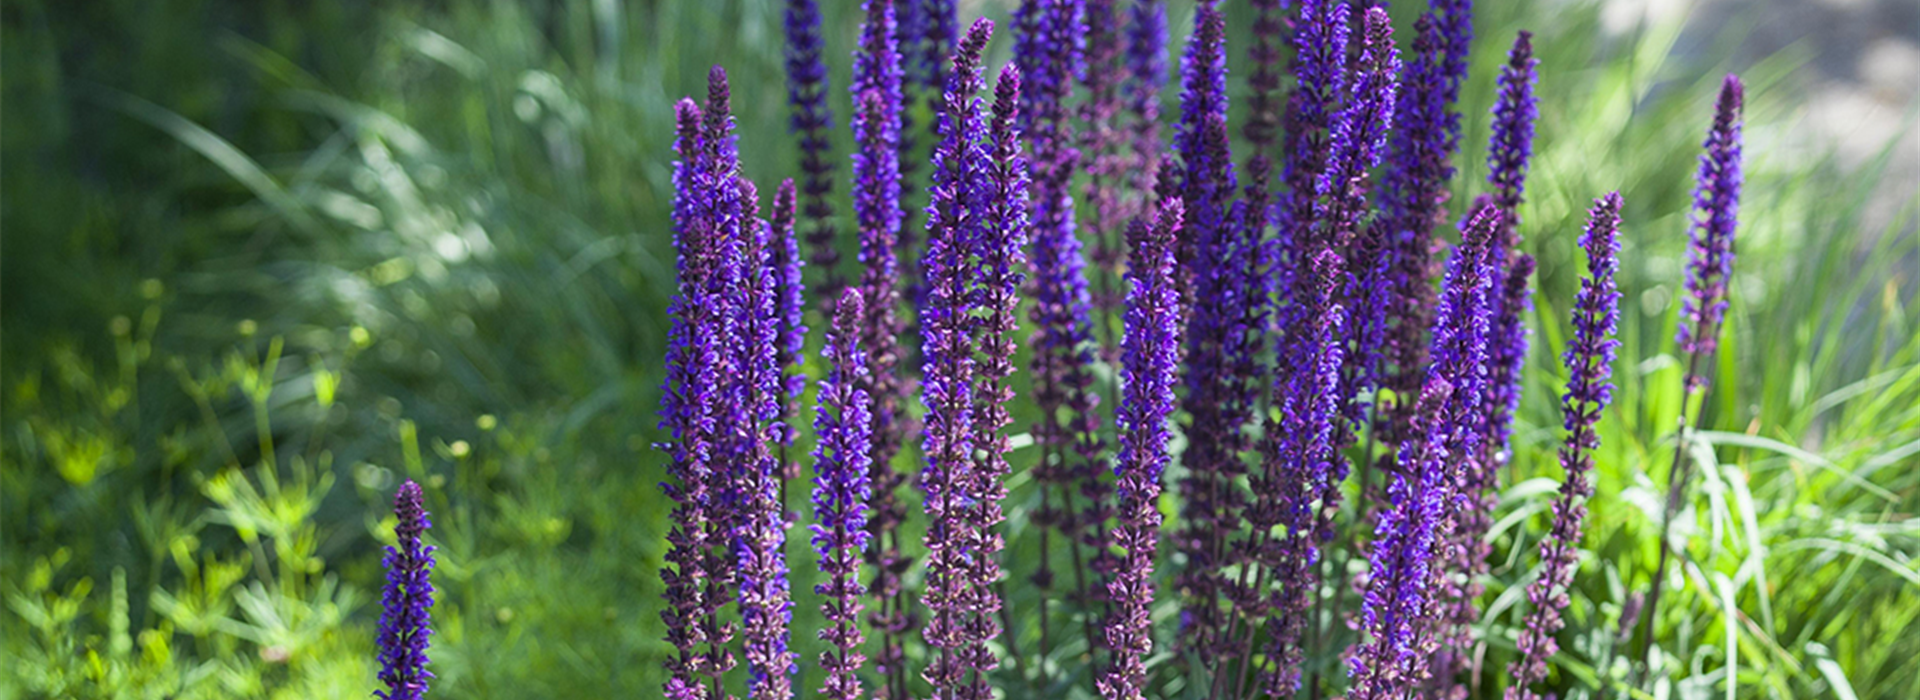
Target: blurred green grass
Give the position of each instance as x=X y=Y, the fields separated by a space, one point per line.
x=264 y=259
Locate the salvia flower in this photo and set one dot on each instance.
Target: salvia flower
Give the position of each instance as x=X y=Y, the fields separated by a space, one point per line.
x=759 y=534
x=1716 y=211
x=1215 y=303
x=953 y=226
x=1411 y=535
x=1047 y=51
x=813 y=121
x=697 y=578
x=790 y=306
x=1103 y=147
x=1391 y=327
x=1146 y=61
x=1152 y=352
x=840 y=495
x=407 y=600
x=1320 y=35
x=877 y=135
x=1589 y=361
x=1316 y=394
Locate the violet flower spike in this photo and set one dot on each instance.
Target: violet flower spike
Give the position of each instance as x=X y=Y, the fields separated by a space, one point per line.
x=1710 y=252
x=790 y=305
x=406 y=603
x=1152 y=352
x=1146 y=61
x=1412 y=533
x=1103 y=145
x=1214 y=302
x=1048 y=54
x=759 y=539
x=1000 y=262
x=1391 y=326
x=1589 y=360
x=877 y=135
x=1320 y=35
x=698 y=579
x=953 y=225
x=1318 y=411
x=813 y=121
x=840 y=496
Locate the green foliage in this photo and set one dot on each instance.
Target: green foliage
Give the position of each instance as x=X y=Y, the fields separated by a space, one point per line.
x=266 y=259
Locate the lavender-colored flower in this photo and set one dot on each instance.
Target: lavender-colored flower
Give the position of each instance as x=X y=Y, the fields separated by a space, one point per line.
x=697 y=579
x=1003 y=190
x=790 y=306
x=1589 y=361
x=953 y=226
x=1047 y=50
x=840 y=495
x=1716 y=213
x=1103 y=148
x=1390 y=326
x=1319 y=66
x=1316 y=396
x=813 y=121
x=1152 y=352
x=407 y=600
x=929 y=32
x=1512 y=145
x=1146 y=60
x=1212 y=266
x=759 y=533
x=877 y=133
x=1412 y=533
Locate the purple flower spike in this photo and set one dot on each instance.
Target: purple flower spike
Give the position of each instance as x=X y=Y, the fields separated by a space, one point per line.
x=1391 y=325
x=1103 y=147
x=759 y=536
x=1716 y=212
x=1214 y=264
x=813 y=121
x=954 y=227
x=790 y=304
x=877 y=134
x=1152 y=352
x=697 y=577
x=1589 y=360
x=840 y=495
x=1511 y=147
x=404 y=619
x=1319 y=64
x=1410 y=548
x=1146 y=59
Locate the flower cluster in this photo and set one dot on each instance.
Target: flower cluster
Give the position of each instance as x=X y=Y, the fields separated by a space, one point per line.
x=1258 y=328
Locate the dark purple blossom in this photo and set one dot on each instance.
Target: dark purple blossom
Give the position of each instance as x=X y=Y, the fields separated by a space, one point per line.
x=698 y=578
x=407 y=601
x=1320 y=34
x=813 y=121
x=840 y=494
x=1589 y=361
x=1710 y=248
x=1146 y=61
x=1152 y=352
x=1514 y=113
x=1047 y=50
x=1103 y=147
x=759 y=532
x=790 y=306
x=1316 y=395
x=1391 y=322
x=1412 y=533
x=1212 y=265
x=1716 y=212
x=877 y=126
x=954 y=225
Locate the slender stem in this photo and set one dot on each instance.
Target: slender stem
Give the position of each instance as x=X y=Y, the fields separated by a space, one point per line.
x=1677 y=476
